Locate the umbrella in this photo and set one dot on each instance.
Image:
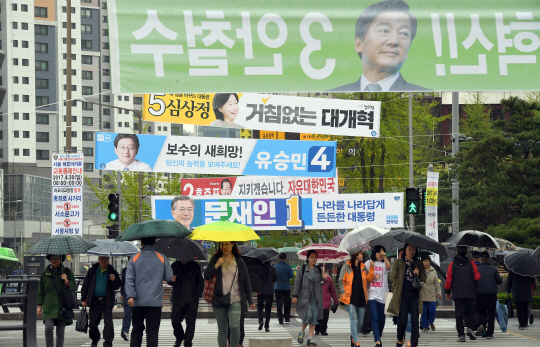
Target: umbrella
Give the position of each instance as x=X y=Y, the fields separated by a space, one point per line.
x=246 y=248
x=326 y=253
x=258 y=273
x=181 y=249
x=336 y=240
x=61 y=245
x=153 y=228
x=361 y=235
x=523 y=264
x=422 y=241
x=110 y=248
x=7 y=254
x=536 y=252
x=224 y=231
x=388 y=241
x=473 y=238
x=263 y=254
x=290 y=251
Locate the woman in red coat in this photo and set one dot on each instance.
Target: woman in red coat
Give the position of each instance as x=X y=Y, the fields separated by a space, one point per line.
x=329 y=294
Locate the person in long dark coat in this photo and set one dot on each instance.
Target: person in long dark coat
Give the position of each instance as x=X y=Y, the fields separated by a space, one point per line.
x=521 y=289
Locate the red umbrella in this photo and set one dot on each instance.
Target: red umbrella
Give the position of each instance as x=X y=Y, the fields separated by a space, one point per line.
x=326 y=253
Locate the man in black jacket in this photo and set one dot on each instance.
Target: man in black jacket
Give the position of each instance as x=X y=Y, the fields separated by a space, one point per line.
x=188 y=286
x=98 y=293
x=486 y=296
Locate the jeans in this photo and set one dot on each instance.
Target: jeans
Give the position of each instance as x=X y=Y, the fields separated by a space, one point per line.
x=428 y=314
x=264 y=303
x=464 y=307
x=522 y=312
x=152 y=314
x=189 y=312
x=356 y=314
x=283 y=297
x=242 y=332
x=49 y=329
x=409 y=305
x=485 y=306
x=98 y=308
x=126 y=322
x=376 y=310
x=228 y=318
x=323 y=323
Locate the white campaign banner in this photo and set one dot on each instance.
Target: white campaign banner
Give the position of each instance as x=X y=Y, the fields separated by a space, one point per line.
x=67 y=194
x=432 y=194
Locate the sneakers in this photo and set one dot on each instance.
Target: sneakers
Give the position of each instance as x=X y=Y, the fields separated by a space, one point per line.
x=267 y=330
x=432 y=326
x=301 y=336
x=480 y=330
x=470 y=334
x=461 y=339
x=280 y=322
x=287 y=321
x=521 y=328
x=310 y=343
x=489 y=337
x=124 y=336
x=178 y=343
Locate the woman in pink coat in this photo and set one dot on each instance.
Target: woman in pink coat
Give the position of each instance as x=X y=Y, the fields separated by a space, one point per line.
x=329 y=294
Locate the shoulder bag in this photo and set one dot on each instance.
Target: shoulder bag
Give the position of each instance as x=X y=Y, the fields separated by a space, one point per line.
x=66 y=312
x=224 y=300
x=82 y=321
x=208 y=292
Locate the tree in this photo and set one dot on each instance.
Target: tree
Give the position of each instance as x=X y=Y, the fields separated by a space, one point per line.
x=280 y=238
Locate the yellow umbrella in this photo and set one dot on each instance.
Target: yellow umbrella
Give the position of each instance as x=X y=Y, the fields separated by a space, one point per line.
x=223 y=231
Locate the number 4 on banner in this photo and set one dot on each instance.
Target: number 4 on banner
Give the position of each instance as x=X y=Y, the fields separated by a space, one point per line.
x=322 y=159
x=294 y=212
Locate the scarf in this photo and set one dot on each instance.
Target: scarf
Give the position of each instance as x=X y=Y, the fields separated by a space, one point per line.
x=409 y=270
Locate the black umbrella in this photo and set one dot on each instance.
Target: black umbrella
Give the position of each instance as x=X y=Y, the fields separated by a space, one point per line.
x=181 y=249
x=263 y=254
x=388 y=241
x=246 y=248
x=536 y=252
x=258 y=274
x=523 y=264
x=473 y=238
x=421 y=241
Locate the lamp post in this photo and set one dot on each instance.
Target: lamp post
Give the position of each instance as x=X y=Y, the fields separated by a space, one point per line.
x=15 y=230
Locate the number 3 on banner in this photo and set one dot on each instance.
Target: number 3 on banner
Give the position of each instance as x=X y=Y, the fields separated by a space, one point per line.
x=294 y=212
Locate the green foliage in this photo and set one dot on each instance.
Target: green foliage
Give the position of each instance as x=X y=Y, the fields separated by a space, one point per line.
x=279 y=238
x=535 y=304
x=522 y=232
x=477 y=115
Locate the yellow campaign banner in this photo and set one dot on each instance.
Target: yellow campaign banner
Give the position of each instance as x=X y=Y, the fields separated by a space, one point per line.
x=271 y=135
x=432 y=196
x=246 y=133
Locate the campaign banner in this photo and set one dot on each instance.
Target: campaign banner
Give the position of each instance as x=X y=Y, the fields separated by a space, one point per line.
x=267 y=112
x=258 y=185
x=224 y=156
x=67 y=194
x=310 y=211
x=431 y=200
x=314 y=45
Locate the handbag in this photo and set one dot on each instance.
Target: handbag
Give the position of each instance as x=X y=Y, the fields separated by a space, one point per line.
x=416 y=284
x=387 y=299
x=65 y=299
x=224 y=300
x=82 y=321
x=208 y=292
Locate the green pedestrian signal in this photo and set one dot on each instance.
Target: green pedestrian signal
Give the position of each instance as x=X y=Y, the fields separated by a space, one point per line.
x=412 y=201
x=412 y=207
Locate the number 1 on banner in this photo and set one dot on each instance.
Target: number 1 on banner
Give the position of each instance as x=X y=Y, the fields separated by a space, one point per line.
x=321 y=159
x=294 y=212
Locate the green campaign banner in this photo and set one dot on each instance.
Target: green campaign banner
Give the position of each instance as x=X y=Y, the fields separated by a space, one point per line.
x=203 y=46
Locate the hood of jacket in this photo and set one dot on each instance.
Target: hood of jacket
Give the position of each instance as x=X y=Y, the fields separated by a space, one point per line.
x=459 y=260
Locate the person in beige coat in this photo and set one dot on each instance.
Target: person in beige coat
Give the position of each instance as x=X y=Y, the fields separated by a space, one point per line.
x=431 y=290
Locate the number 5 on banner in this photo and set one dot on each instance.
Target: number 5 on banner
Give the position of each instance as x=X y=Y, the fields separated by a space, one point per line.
x=294 y=212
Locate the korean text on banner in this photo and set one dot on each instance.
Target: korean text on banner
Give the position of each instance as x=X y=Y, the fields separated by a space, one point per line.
x=271 y=212
x=267 y=112
x=258 y=185
x=183 y=154
x=67 y=194
x=316 y=46
x=432 y=194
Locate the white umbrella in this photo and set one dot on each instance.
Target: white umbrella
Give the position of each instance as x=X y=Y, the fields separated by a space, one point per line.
x=361 y=236
x=110 y=248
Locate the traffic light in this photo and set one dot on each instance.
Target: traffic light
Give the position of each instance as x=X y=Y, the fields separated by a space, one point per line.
x=423 y=195
x=114 y=207
x=114 y=231
x=412 y=201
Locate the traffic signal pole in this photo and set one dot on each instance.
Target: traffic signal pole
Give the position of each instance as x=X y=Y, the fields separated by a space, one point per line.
x=411 y=173
x=119 y=191
x=455 y=150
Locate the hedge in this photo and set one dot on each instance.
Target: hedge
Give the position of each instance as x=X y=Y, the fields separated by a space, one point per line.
x=535 y=304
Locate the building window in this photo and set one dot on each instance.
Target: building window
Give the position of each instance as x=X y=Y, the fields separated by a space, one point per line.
x=15 y=25
x=15 y=43
x=87 y=136
x=24 y=26
x=24 y=44
x=42 y=137
x=42 y=48
x=41 y=30
x=164 y=128
x=73 y=41
x=119 y=97
x=106 y=58
x=24 y=8
x=26 y=62
x=64 y=9
x=137 y=100
x=87 y=106
x=42 y=118
x=16 y=152
x=135 y=126
x=106 y=85
x=26 y=152
x=26 y=80
x=16 y=116
x=106 y=98
x=106 y=125
x=159 y=128
x=1 y=153
x=88 y=167
x=73 y=25
x=73 y=134
x=16 y=97
x=15 y=61
x=16 y=134
x=14 y=7
x=42 y=154
x=42 y=100
x=106 y=72
x=40 y=12
x=104 y=5
x=73 y=56
x=105 y=45
x=106 y=111
x=87 y=91
x=15 y=79
x=126 y=98
x=126 y=124
x=104 y=32
x=86 y=13
x=87 y=59
x=88 y=151
x=104 y=19
x=86 y=29
x=26 y=116
x=42 y=83
x=86 y=44
x=73 y=72
x=26 y=134
x=87 y=1
x=88 y=121
x=42 y=65
x=26 y=98
x=73 y=89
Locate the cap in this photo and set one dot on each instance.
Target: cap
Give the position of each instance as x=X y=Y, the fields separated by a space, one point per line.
x=461 y=248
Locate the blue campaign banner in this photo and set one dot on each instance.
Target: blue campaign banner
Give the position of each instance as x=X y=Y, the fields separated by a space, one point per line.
x=224 y=156
x=272 y=212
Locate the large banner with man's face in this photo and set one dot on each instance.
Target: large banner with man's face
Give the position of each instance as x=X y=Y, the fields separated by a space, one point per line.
x=315 y=45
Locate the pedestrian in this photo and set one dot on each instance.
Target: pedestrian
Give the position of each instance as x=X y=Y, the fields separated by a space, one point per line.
x=49 y=303
x=462 y=291
x=126 y=321
x=144 y=289
x=431 y=290
x=521 y=289
x=377 y=289
x=283 y=289
x=329 y=299
x=187 y=287
x=485 y=304
x=97 y=292
x=266 y=297
x=232 y=291
x=353 y=281
x=406 y=299
x=307 y=295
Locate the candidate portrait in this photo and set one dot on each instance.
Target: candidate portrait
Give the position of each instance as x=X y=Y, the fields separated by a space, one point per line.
x=126 y=147
x=384 y=33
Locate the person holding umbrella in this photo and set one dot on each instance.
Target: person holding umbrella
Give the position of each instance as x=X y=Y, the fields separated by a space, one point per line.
x=521 y=289
x=486 y=296
x=49 y=304
x=266 y=297
x=126 y=321
x=283 y=288
x=232 y=291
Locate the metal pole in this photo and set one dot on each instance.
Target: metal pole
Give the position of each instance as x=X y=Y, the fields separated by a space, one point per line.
x=411 y=173
x=119 y=191
x=455 y=150
x=68 y=79
x=140 y=173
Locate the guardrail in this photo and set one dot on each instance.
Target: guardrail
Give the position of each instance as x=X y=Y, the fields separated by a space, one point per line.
x=28 y=296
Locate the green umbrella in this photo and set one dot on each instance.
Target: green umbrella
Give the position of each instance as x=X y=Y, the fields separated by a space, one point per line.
x=61 y=245
x=288 y=249
x=154 y=228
